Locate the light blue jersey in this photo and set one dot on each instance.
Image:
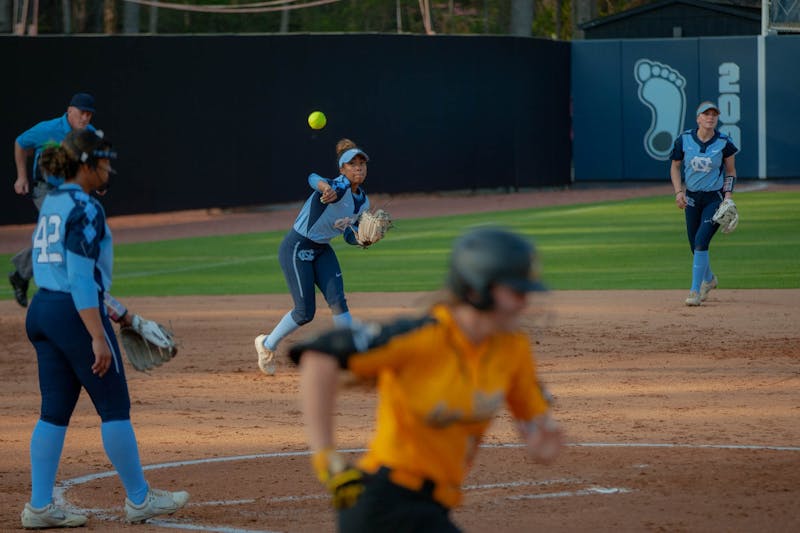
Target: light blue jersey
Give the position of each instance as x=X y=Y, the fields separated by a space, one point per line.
x=322 y=222
x=35 y=138
x=703 y=163
x=72 y=249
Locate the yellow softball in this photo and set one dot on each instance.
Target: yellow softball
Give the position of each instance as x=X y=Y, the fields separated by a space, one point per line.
x=317 y=120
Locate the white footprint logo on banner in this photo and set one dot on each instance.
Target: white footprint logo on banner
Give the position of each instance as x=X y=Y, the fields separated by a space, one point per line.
x=662 y=89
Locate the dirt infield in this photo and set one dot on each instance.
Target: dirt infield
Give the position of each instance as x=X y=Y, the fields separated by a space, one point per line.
x=679 y=419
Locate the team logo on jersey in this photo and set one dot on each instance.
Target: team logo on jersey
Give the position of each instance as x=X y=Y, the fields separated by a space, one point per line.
x=484 y=406
x=701 y=164
x=343 y=223
x=663 y=90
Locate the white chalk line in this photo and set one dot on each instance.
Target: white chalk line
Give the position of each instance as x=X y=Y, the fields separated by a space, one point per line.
x=59 y=494
x=568 y=493
x=195 y=267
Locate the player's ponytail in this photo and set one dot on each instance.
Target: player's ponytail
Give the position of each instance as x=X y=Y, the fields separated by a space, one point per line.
x=55 y=160
x=78 y=147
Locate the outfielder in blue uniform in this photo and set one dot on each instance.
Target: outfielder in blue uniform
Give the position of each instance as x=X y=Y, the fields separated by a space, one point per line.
x=306 y=256
x=31 y=142
x=75 y=344
x=704 y=159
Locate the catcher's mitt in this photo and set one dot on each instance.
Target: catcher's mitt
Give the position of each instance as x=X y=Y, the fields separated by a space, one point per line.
x=372 y=226
x=147 y=344
x=726 y=216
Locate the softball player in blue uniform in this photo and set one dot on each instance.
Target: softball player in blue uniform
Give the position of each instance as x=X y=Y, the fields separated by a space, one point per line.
x=307 y=258
x=705 y=159
x=75 y=343
x=78 y=116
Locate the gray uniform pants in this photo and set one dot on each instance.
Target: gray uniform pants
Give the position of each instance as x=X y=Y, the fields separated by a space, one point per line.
x=23 y=260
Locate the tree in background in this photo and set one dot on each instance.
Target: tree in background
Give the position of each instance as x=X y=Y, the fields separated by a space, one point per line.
x=553 y=19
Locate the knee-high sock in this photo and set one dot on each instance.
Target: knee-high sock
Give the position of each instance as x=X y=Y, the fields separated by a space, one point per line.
x=699 y=266
x=284 y=327
x=47 y=443
x=709 y=273
x=119 y=442
x=342 y=319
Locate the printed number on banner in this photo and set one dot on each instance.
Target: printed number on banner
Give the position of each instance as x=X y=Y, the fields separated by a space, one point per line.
x=47 y=232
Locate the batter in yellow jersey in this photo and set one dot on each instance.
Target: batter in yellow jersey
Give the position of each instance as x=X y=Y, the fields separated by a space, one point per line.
x=441 y=379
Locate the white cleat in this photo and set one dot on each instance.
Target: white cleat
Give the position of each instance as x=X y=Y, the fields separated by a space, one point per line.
x=157 y=502
x=266 y=357
x=706 y=287
x=694 y=299
x=49 y=516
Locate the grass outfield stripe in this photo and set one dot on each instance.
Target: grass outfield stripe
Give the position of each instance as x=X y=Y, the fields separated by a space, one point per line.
x=632 y=244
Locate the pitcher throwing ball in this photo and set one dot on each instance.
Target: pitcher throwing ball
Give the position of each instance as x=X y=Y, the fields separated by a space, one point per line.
x=306 y=256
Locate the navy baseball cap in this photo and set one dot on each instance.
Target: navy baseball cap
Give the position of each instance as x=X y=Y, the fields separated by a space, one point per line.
x=705 y=106
x=83 y=101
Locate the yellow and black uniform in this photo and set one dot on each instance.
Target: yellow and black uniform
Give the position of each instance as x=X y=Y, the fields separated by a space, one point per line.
x=438 y=393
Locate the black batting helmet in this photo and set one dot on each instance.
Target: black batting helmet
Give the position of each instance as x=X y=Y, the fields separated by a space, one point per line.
x=485 y=257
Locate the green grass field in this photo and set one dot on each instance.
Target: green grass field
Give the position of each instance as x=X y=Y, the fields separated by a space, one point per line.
x=632 y=244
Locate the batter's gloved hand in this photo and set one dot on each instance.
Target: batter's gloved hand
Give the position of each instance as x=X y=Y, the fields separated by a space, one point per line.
x=344 y=482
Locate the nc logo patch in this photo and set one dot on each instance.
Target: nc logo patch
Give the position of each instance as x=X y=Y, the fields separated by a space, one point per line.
x=701 y=164
x=305 y=255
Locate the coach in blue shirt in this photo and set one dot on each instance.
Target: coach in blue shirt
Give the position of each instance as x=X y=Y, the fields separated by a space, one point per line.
x=78 y=116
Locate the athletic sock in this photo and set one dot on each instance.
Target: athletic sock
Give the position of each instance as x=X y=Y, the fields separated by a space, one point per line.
x=119 y=442
x=342 y=320
x=47 y=443
x=284 y=327
x=699 y=266
x=709 y=273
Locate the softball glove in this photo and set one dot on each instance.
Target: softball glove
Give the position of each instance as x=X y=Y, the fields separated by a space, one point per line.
x=372 y=227
x=726 y=216
x=147 y=344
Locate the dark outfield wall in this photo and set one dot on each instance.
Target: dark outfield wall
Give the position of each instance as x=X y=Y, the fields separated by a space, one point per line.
x=220 y=121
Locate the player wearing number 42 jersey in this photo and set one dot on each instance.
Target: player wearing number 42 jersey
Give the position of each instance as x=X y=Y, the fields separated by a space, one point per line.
x=441 y=379
x=76 y=348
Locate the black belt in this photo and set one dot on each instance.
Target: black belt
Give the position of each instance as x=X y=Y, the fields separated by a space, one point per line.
x=428 y=485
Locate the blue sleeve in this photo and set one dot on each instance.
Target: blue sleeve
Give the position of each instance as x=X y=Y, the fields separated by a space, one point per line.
x=84 y=233
x=350 y=236
x=677 y=149
x=339 y=184
x=36 y=136
x=80 y=270
x=314 y=179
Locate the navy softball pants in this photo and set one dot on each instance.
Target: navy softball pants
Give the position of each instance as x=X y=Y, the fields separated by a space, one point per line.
x=305 y=264
x=700 y=207
x=65 y=358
